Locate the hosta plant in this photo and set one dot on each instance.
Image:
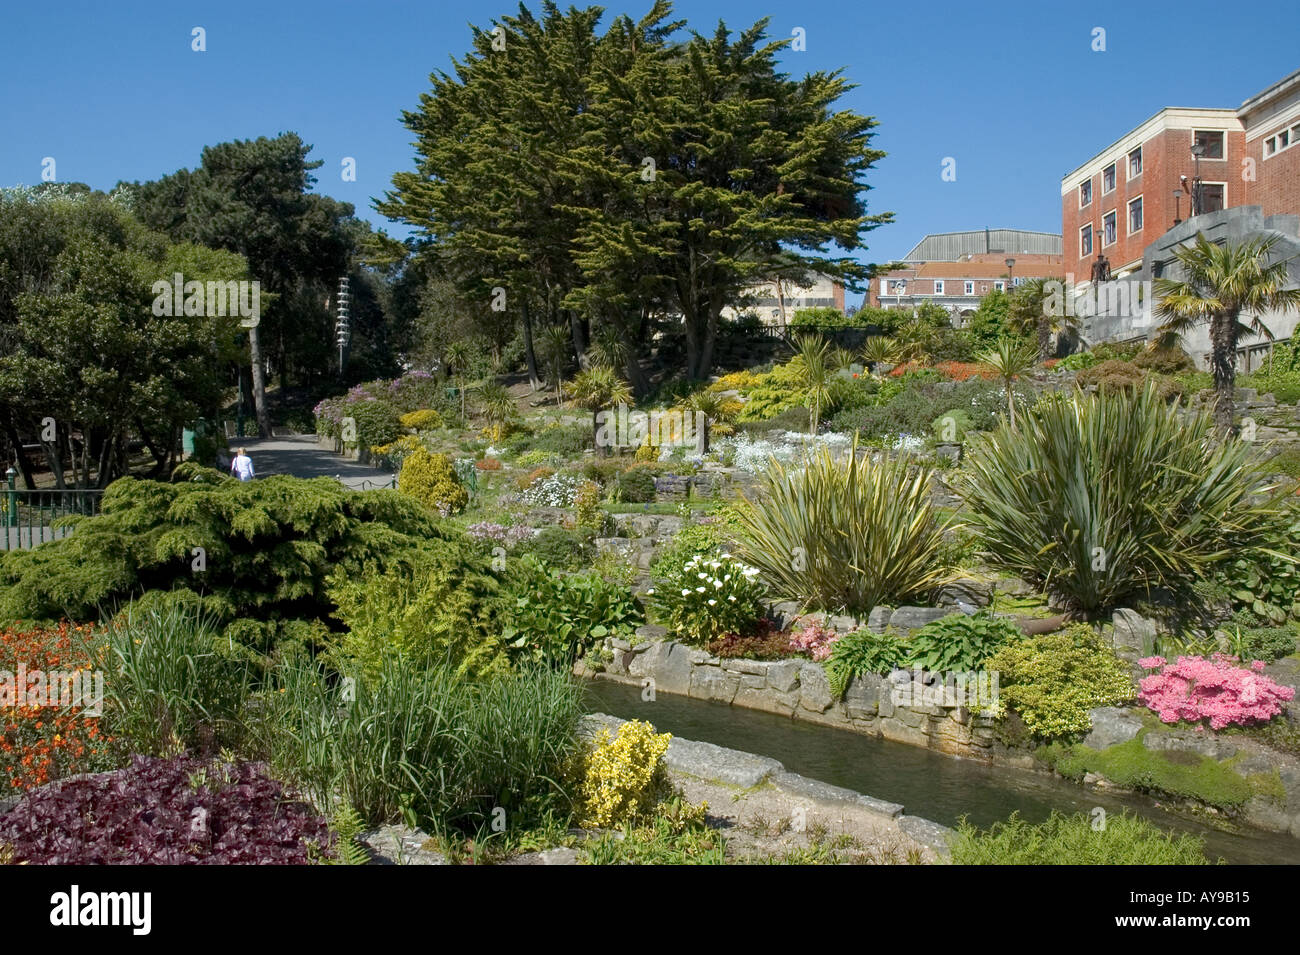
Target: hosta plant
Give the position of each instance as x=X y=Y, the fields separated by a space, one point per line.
x=844 y=532
x=1105 y=499
x=959 y=642
x=707 y=597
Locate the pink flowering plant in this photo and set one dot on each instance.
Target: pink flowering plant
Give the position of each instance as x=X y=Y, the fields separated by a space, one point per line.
x=1195 y=689
x=814 y=640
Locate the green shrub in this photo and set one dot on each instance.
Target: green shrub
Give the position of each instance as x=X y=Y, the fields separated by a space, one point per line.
x=636 y=485
x=860 y=653
x=1261 y=580
x=267 y=548
x=442 y=608
x=1116 y=375
x=1178 y=774
x=421 y=420
x=173 y=682
x=1262 y=643
x=1053 y=680
x=562 y=439
x=377 y=423
x=1078 y=361
x=951 y=425
x=1170 y=360
x=1103 y=499
x=708 y=540
x=1286 y=461
x=557 y=547
x=709 y=597
x=959 y=643
x=555 y=618
x=1280 y=373
x=431 y=479
x=845 y=533
x=425 y=746
x=1073 y=840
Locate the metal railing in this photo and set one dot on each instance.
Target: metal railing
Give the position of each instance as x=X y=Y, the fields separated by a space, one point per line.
x=29 y=517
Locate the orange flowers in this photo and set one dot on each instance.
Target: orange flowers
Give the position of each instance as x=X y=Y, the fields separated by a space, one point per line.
x=39 y=744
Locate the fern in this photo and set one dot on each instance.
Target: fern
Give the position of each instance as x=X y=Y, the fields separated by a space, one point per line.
x=860 y=653
x=347 y=826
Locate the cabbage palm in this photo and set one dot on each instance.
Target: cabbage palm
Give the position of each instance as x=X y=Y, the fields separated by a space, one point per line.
x=598 y=389
x=555 y=350
x=717 y=413
x=1220 y=285
x=1028 y=311
x=498 y=408
x=814 y=362
x=1010 y=358
x=879 y=350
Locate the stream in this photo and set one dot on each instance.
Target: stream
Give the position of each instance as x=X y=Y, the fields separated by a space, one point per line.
x=929 y=784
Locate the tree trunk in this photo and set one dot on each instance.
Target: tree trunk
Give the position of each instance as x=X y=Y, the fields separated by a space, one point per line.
x=1223 y=342
x=579 y=339
x=24 y=466
x=530 y=354
x=259 y=383
x=1044 y=340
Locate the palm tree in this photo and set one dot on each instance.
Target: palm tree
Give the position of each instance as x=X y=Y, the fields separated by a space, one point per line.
x=598 y=389
x=1010 y=358
x=717 y=413
x=457 y=359
x=555 y=349
x=814 y=361
x=912 y=339
x=608 y=347
x=879 y=350
x=1219 y=285
x=498 y=408
x=1030 y=311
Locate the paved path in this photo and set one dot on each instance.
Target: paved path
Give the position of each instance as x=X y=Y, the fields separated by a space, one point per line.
x=300 y=456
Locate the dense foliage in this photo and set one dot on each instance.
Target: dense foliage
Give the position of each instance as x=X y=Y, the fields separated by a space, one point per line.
x=1108 y=498
x=844 y=532
x=177 y=811
x=1074 y=840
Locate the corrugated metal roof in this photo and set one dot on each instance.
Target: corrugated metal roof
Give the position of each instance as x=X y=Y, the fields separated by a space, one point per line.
x=951 y=246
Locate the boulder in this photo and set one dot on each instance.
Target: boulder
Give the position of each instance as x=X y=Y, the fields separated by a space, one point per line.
x=1133 y=633
x=1111 y=725
x=968 y=590
x=815 y=688
x=914 y=618
x=878 y=619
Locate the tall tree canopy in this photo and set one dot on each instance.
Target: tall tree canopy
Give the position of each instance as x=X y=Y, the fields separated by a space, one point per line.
x=603 y=178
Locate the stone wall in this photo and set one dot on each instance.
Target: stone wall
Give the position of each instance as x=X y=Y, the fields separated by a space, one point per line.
x=799 y=688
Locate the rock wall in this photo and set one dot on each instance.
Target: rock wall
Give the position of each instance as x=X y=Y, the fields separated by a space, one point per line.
x=799 y=688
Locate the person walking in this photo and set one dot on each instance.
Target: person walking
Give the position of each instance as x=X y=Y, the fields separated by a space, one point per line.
x=242 y=466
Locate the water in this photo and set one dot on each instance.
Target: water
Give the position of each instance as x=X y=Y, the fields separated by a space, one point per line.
x=928 y=784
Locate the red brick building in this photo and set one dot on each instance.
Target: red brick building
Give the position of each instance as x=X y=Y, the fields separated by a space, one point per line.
x=1137 y=188
x=957 y=269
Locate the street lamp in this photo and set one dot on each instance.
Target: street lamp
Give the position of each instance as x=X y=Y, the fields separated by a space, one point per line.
x=1198 y=150
x=900 y=286
x=1011 y=278
x=1178 y=195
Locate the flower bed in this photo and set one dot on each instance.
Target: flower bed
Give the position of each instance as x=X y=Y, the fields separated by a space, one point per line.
x=40 y=743
x=166 y=812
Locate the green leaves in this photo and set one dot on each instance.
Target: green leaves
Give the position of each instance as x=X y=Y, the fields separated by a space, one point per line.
x=844 y=533
x=1108 y=498
x=959 y=642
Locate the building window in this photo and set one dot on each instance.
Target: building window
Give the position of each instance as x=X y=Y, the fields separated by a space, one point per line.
x=1018 y=281
x=1280 y=141
x=1108 y=179
x=970 y=288
x=1109 y=232
x=1085 y=240
x=1212 y=194
x=938 y=286
x=1085 y=193
x=1135 y=216
x=999 y=286
x=1212 y=140
x=1135 y=163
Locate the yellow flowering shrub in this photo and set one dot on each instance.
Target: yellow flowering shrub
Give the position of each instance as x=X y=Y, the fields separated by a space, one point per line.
x=647 y=451
x=625 y=775
x=421 y=420
x=736 y=381
x=431 y=479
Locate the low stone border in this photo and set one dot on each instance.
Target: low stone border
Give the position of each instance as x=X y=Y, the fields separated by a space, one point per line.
x=800 y=688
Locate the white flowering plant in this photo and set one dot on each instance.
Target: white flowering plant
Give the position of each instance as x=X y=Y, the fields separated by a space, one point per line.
x=709 y=596
x=556 y=490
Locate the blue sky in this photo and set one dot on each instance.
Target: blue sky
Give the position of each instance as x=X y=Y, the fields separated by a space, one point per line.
x=1012 y=91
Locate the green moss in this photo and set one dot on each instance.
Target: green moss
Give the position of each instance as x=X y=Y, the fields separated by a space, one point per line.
x=1269 y=785
x=1180 y=774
